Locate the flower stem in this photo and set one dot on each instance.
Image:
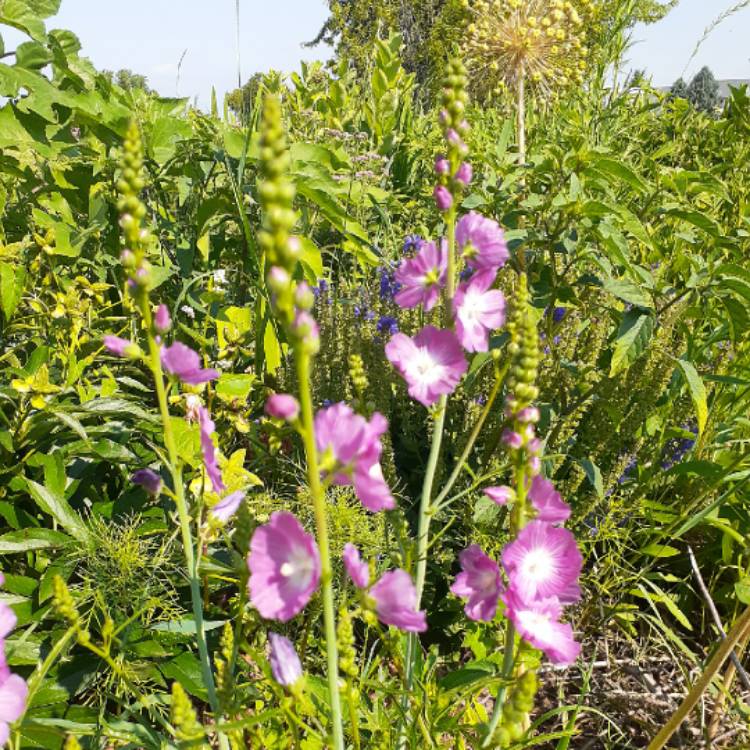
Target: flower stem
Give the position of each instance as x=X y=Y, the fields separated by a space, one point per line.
x=182 y=513
x=321 y=524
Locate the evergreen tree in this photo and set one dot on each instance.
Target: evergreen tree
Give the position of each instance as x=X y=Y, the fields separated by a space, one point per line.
x=703 y=91
x=679 y=89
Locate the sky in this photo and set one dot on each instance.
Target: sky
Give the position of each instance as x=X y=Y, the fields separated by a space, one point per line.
x=150 y=37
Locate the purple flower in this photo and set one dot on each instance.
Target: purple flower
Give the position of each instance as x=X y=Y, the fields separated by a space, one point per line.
x=465 y=174
x=500 y=495
x=148 y=479
x=482 y=241
x=358 y=570
x=207 y=428
x=547 y=502
x=432 y=363
x=478 y=310
x=412 y=243
x=529 y=414
x=443 y=198
x=183 y=362
x=542 y=561
x=284 y=567
x=227 y=507
x=423 y=276
x=282 y=406
x=396 y=602
x=537 y=621
x=558 y=314
x=388 y=284
x=118 y=346
x=285 y=664
x=349 y=448
x=387 y=325
x=479 y=582
x=13 y=694
x=162 y=321
x=512 y=439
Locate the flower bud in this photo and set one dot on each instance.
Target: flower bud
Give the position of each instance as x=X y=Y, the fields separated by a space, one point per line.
x=282 y=406
x=443 y=198
x=500 y=495
x=304 y=297
x=278 y=279
x=162 y=321
x=465 y=173
x=442 y=166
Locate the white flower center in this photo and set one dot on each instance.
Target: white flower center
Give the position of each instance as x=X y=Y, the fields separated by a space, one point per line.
x=537 y=623
x=538 y=565
x=299 y=566
x=287 y=570
x=487 y=581
x=470 y=307
x=424 y=367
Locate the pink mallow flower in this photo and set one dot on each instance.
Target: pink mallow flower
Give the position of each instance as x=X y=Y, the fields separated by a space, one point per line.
x=358 y=570
x=432 y=363
x=13 y=689
x=482 y=241
x=478 y=310
x=207 y=428
x=537 y=622
x=118 y=346
x=479 y=582
x=423 y=276
x=162 y=320
x=285 y=664
x=349 y=448
x=501 y=495
x=284 y=567
x=547 y=502
x=182 y=361
x=542 y=561
x=227 y=506
x=396 y=602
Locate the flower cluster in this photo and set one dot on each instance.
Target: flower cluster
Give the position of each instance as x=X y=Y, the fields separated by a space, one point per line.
x=13 y=689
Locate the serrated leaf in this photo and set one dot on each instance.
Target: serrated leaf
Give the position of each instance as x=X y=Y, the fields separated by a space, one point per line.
x=697 y=392
x=632 y=340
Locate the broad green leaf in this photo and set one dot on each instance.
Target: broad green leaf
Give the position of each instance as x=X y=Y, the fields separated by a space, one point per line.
x=231 y=387
x=12 y=282
x=629 y=292
x=633 y=338
x=594 y=475
x=697 y=392
x=27 y=540
x=58 y=507
x=622 y=172
x=660 y=550
x=311 y=260
x=186 y=669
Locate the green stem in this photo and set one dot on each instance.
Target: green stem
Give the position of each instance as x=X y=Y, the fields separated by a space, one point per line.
x=321 y=524
x=182 y=513
x=518 y=520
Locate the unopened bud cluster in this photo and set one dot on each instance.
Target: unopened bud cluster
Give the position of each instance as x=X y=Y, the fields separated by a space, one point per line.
x=183 y=716
x=292 y=300
x=518 y=704
x=453 y=173
x=524 y=351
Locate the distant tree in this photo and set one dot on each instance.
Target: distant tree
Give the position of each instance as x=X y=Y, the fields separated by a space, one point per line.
x=703 y=91
x=128 y=80
x=638 y=79
x=679 y=89
x=241 y=101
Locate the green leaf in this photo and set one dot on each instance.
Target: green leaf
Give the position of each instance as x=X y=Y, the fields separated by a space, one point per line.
x=27 y=540
x=629 y=292
x=633 y=338
x=622 y=172
x=697 y=392
x=594 y=475
x=186 y=626
x=12 y=282
x=660 y=550
x=231 y=387
x=186 y=669
x=311 y=260
x=58 y=507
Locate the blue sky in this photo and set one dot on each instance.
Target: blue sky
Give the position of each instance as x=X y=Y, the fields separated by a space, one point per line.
x=150 y=36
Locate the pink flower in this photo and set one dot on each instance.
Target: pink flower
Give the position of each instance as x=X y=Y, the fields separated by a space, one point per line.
x=183 y=362
x=482 y=241
x=529 y=414
x=500 y=495
x=465 y=174
x=478 y=311
x=396 y=602
x=537 y=621
x=207 y=428
x=512 y=439
x=282 y=406
x=117 y=346
x=443 y=198
x=192 y=407
x=13 y=694
x=542 y=561
x=7 y=620
x=162 y=321
x=284 y=567
x=432 y=363
x=349 y=448
x=547 y=502
x=227 y=507
x=442 y=165
x=358 y=570
x=285 y=664
x=306 y=330
x=423 y=276
x=480 y=582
